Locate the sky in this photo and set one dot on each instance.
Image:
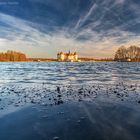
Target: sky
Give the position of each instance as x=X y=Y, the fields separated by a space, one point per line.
x=92 y=28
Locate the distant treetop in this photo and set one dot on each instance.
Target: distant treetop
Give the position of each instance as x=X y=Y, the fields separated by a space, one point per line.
x=128 y=54
x=12 y=56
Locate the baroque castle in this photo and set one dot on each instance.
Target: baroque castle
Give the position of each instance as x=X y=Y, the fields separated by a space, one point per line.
x=68 y=57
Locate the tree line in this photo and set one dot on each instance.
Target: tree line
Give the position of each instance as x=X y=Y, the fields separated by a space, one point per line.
x=12 y=56
x=128 y=54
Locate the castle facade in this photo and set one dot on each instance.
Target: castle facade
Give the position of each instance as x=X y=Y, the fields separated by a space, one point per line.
x=67 y=57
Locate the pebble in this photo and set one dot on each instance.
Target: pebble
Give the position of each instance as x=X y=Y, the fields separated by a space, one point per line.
x=32 y=101
x=79 y=100
x=59 y=96
x=58 y=89
x=59 y=102
x=67 y=93
x=80 y=92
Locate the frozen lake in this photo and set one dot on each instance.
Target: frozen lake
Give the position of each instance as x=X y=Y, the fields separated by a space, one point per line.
x=78 y=96
x=69 y=73
x=23 y=83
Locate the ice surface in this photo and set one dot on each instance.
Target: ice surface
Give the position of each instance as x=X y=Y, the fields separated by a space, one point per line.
x=46 y=84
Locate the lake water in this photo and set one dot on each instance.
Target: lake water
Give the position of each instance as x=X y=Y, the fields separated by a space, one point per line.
x=70 y=101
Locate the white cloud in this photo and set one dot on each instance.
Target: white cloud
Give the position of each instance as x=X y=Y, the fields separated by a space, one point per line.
x=120 y=1
x=82 y=20
x=22 y=37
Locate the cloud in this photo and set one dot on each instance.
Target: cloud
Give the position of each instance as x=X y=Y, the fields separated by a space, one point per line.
x=88 y=37
x=87 y=16
x=120 y=1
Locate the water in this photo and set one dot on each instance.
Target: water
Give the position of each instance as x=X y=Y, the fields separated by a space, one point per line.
x=69 y=73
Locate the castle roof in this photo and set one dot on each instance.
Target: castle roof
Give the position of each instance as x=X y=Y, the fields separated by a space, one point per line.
x=67 y=54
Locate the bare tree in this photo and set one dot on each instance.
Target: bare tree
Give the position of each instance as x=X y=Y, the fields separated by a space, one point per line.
x=132 y=54
x=121 y=54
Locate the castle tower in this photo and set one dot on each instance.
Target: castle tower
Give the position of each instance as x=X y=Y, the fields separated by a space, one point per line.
x=70 y=57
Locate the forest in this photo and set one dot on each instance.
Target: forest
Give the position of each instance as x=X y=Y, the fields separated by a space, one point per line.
x=12 y=56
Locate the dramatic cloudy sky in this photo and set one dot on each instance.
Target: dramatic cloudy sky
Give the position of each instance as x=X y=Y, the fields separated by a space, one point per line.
x=41 y=28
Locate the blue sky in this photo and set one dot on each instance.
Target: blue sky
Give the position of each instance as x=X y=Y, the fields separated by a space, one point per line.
x=93 y=28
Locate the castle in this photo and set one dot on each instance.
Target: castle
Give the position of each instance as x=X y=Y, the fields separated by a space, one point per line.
x=68 y=57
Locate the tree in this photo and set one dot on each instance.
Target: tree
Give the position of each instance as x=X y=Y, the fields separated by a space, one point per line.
x=132 y=53
x=121 y=54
